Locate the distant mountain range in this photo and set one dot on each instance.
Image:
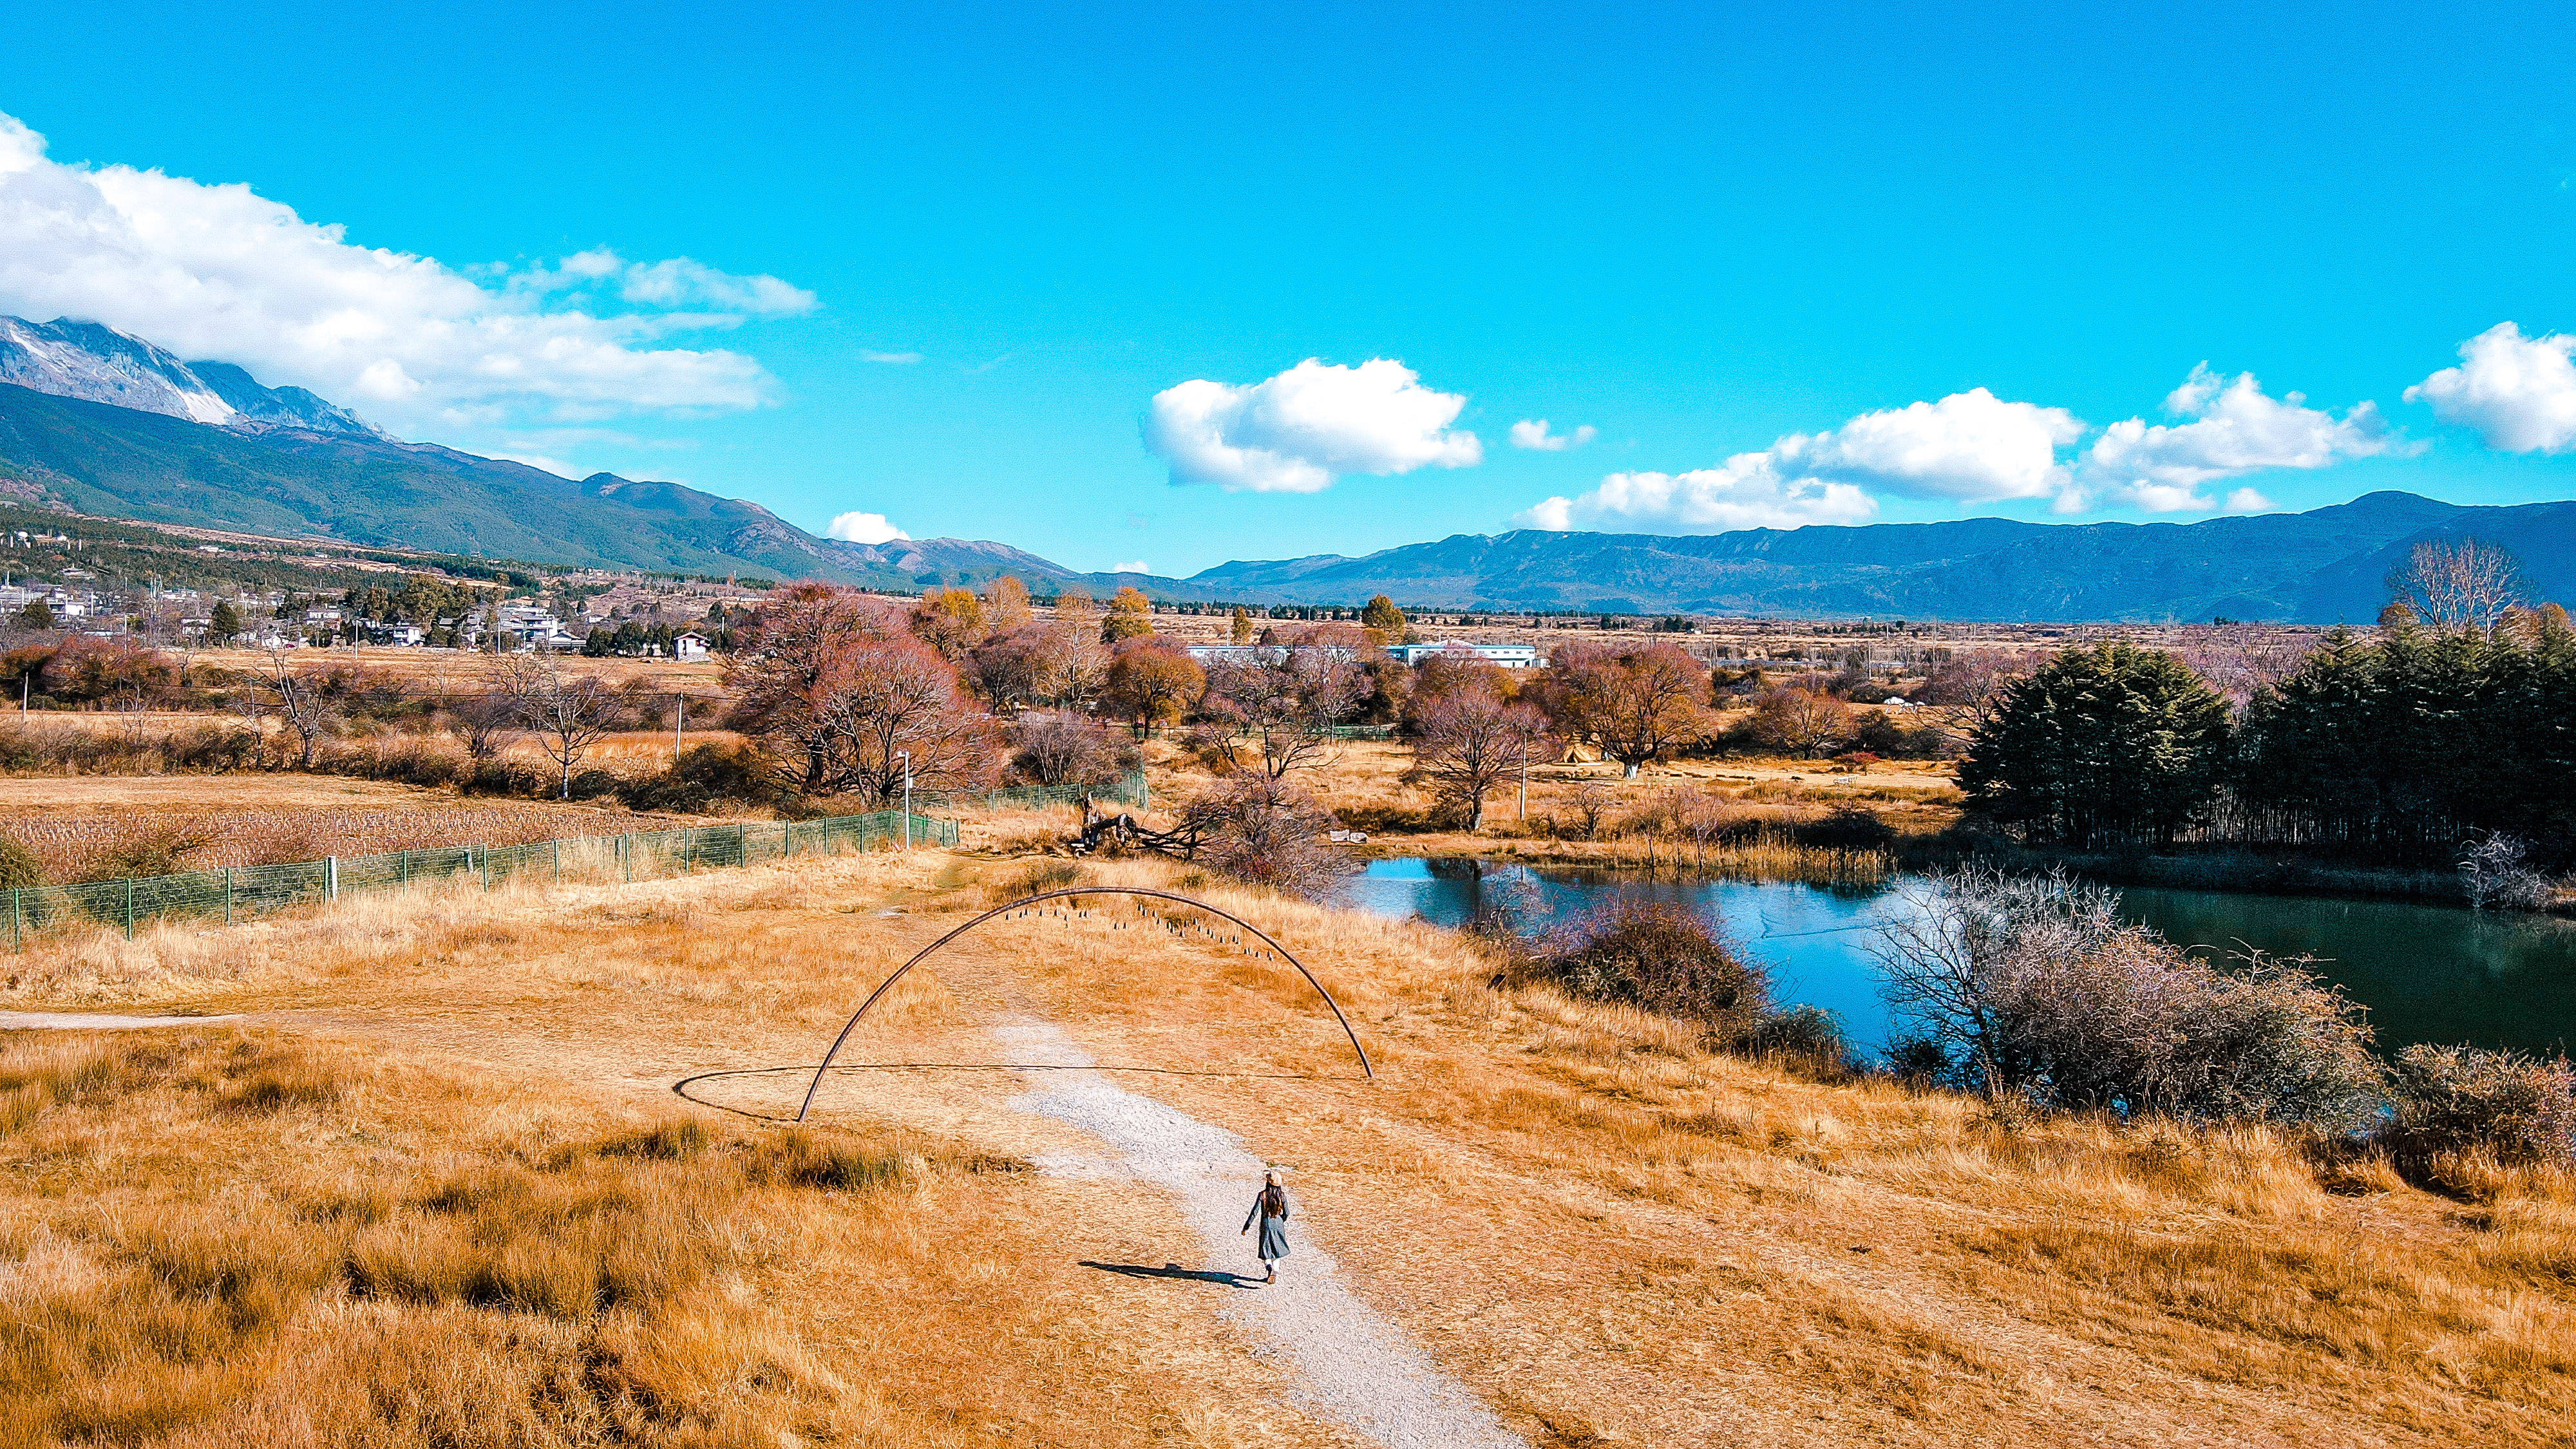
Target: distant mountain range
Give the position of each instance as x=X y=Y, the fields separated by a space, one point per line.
x=104 y=423
x=112 y=425
x=2318 y=567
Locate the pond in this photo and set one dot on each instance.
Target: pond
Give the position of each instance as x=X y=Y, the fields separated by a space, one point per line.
x=2426 y=973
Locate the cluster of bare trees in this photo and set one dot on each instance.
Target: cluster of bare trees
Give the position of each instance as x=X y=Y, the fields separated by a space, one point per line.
x=566 y=712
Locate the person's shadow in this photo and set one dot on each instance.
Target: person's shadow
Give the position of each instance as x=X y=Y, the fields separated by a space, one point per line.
x=1174 y=1271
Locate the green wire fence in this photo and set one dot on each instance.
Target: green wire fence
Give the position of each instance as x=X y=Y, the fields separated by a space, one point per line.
x=227 y=895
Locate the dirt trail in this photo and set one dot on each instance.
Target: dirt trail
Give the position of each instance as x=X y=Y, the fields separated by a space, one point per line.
x=94 y=1021
x=1351 y=1363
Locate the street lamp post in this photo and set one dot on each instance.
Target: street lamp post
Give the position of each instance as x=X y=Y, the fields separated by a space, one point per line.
x=906 y=757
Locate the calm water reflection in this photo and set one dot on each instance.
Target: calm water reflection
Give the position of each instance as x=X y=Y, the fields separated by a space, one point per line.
x=2427 y=973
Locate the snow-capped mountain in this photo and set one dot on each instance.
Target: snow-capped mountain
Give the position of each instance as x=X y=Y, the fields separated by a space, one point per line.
x=100 y=364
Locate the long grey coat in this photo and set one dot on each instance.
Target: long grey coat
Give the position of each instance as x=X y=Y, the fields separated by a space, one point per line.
x=1274 y=1227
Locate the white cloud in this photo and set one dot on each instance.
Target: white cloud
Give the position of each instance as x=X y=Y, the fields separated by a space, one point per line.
x=1529 y=433
x=1973 y=447
x=1296 y=432
x=2235 y=428
x=1133 y=566
x=2518 y=392
x=862 y=528
x=1749 y=492
x=898 y=358
x=1970 y=446
x=218 y=271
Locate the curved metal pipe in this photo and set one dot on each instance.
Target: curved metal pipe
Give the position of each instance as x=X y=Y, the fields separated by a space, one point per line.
x=927 y=951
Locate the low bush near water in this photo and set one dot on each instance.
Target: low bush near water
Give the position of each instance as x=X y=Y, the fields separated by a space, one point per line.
x=1673 y=962
x=2455 y=1103
x=2032 y=988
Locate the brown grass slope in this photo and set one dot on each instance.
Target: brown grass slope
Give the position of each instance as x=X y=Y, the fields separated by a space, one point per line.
x=1612 y=1235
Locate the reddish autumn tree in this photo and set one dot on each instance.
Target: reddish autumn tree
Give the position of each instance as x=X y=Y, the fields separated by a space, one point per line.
x=897 y=710
x=796 y=661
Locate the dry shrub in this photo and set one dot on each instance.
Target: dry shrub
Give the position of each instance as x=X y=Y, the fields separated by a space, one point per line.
x=1668 y=960
x=1066 y=749
x=2466 y=1116
x=1664 y=959
x=1263 y=831
x=2033 y=987
x=18 y=865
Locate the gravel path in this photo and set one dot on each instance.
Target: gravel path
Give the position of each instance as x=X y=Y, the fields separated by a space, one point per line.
x=1353 y=1365
x=89 y=1021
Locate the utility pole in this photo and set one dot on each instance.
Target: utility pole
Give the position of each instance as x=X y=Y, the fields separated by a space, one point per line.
x=906 y=757
x=1525 y=782
x=676 y=728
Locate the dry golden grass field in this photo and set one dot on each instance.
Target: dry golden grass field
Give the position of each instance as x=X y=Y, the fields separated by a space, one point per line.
x=438 y=671
x=79 y=827
x=434 y=1186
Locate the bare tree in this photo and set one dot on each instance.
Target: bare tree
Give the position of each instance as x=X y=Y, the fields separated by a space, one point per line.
x=568 y=713
x=1288 y=698
x=483 y=722
x=2462 y=583
x=1469 y=744
x=1074 y=665
x=1262 y=829
x=1636 y=704
x=2241 y=660
x=1802 y=722
x=295 y=698
x=898 y=714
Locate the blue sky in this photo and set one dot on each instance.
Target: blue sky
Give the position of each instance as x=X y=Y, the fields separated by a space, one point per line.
x=1695 y=232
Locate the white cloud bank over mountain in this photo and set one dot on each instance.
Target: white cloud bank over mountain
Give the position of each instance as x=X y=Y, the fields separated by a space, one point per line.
x=2518 y=392
x=1299 y=430
x=2235 y=429
x=868 y=528
x=1973 y=447
x=219 y=272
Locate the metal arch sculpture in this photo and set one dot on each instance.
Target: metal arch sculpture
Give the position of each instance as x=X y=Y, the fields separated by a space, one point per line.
x=1070 y=892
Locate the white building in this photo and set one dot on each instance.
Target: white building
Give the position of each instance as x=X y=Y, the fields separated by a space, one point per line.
x=534 y=626
x=691 y=645
x=1501 y=656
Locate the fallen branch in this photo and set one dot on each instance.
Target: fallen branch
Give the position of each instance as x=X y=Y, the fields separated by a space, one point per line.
x=1122 y=834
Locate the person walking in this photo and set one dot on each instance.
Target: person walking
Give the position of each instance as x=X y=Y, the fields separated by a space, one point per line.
x=1270 y=1210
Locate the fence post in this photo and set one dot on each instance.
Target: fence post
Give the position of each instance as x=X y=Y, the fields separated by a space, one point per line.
x=228 y=895
x=556 y=848
x=129 y=908
x=626 y=856
x=402 y=868
x=487 y=864
x=15 y=940
x=688 y=850
x=331 y=878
